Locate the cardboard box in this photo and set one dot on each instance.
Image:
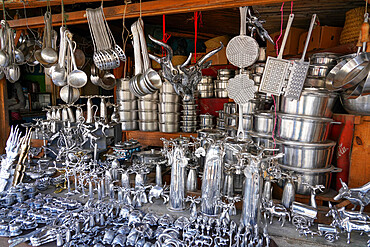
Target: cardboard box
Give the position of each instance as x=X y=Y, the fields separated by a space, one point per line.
x=291 y=47
x=219 y=58
x=322 y=37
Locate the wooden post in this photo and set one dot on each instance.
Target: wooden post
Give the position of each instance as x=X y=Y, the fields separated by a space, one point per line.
x=4 y=115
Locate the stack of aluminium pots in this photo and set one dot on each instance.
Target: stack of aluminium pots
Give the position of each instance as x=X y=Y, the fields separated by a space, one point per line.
x=220 y=120
x=230 y=119
x=206 y=121
x=302 y=133
x=220 y=85
x=205 y=87
x=148 y=112
x=189 y=116
x=168 y=106
x=127 y=105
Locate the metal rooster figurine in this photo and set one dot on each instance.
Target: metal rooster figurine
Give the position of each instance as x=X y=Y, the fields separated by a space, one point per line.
x=184 y=79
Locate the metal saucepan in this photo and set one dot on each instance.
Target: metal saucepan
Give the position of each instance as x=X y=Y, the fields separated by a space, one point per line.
x=190 y=107
x=148 y=126
x=263 y=122
x=172 y=117
x=324 y=58
x=127 y=116
x=318 y=71
x=230 y=108
x=313 y=102
x=127 y=105
x=125 y=95
x=148 y=116
x=302 y=128
x=146 y=105
x=188 y=129
x=188 y=123
x=129 y=125
x=169 y=127
x=168 y=107
x=306 y=155
x=206 y=119
x=123 y=84
x=221 y=93
x=192 y=118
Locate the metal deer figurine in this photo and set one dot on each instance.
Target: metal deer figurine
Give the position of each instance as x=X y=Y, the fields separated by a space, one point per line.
x=357 y=196
x=184 y=79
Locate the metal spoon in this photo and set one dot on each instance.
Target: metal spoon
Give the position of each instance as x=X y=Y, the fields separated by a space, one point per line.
x=77 y=78
x=59 y=75
x=48 y=54
x=4 y=59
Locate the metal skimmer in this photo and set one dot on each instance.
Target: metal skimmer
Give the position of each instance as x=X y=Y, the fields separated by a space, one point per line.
x=276 y=69
x=299 y=70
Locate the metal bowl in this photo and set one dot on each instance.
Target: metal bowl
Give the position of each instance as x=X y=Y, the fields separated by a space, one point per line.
x=360 y=105
x=148 y=126
x=169 y=127
x=319 y=71
x=146 y=105
x=169 y=97
x=230 y=108
x=150 y=97
x=205 y=87
x=148 y=116
x=123 y=84
x=247 y=122
x=302 y=128
x=129 y=125
x=206 y=79
x=167 y=88
x=313 y=102
x=169 y=117
x=231 y=120
x=168 y=107
x=127 y=116
x=218 y=84
x=189 y=112
x=206 y=119
x=306 y=155
x=190 y=107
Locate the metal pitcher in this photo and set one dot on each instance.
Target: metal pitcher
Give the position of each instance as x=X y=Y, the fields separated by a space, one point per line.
x=177 y=188
x=192 y=180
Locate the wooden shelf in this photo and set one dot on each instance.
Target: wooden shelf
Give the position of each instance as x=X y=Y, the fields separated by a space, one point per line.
x=152 y=138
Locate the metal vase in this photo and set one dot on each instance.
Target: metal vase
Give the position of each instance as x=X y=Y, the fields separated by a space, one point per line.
x=192 y=180
x=89 y=111
x=252 y=196
x=267 y=191
x=288 y=194
x=212 y=182
x=177 y=188
x=158 y=175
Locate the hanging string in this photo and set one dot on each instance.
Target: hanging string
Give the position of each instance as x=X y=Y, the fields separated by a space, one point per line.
x=64 y=19
x=124 y=39
x=281 y=29
x=166 y=36
x=140 y=9
x=25 y=16
x=291 y=7
x=4 y=14
x=196 y=35
x=48 y=7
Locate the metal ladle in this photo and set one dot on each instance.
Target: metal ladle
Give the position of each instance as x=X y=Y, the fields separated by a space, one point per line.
x=37 y=53
x=4 y=58
x=138 y=62
x=76 y=78
x=59 y=75
x=48 y=54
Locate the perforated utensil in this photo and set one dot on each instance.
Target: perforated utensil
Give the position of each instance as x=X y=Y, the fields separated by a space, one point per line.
x=242 y=50
x=299 y=70
x=276 y=69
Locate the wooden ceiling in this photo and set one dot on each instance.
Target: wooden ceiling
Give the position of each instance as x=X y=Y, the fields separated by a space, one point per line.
x=216 y=21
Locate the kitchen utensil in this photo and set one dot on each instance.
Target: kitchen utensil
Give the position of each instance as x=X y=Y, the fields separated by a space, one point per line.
x=221 y=93
x=59 y=75
x=169 y=117
x=276 y=69
x=360 y=105
x=188 y=129
x=169 y=127
x=302 y=128
x=4 y=58
x=165 y=107
x=69 y=94
x=315 y=82
x=48 y=54
x=147 y=105
x=306 y=155
x=263 y=122
x=313 y=102
x=148 y=126
x=129 y=125
x=127 y=116
x=324 y=58
x=332 y=73
x=134 y=88
x=299 y=69
x=319 y=71
x=76 y=78
x=192 y=118
x=124 y=105
x=242 y=51
x=148 y=115
x=169 y=97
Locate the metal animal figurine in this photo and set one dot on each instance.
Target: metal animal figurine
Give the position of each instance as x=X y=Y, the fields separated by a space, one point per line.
x=157 y=192
x=183 y=79
x=313 y=189
x=357 y=196
x=278 y=210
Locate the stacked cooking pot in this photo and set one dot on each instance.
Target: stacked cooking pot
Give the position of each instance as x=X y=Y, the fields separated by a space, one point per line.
x=257 y=72
x=220 y=85
x=205 y=87
x=168 y=106
x=302 y=131
x=321 y=64
x=148 y=112
x=206 y=121
x=220 y=120
x=230 y=119
x=127 y=105
x=189 y=116
x=263 y=127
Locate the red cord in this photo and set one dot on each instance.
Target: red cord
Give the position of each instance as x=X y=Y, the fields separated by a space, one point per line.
x=165 y=35
x=281 y=28
x=196 y=35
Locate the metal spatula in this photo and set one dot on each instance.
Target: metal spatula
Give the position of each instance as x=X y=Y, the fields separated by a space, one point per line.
x=299 y=70
x=276 y=69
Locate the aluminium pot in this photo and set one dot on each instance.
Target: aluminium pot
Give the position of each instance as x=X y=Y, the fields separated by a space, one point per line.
x=189 y=112
x=169 y=117
x=150 y=97
x=128 y=125
x=168 y=107
x=324 y=58
x=169 y=127
x=313 y=102
x=147 y=105
x=206 y=119
x=126 y=116
x=360 y=105
x=186 y=123
x=206 y=94
x=315 y=82
x=251 y=106
x=205 y=87
x=190 y=107
x=319 y=71
x=167 y=88
x=228 y=72
x=189 y=129
x=148 y=125
x=125 y=95
x=231 y=131
x=302 y=128
x=230 y=108
x=263 y=122
x=311 y=176
x=123 y=84
x=231 y=119
x=169 y=97
x=148 y=116
x=218 y=84
x=127 y=105
x=221 y=93
x=189 y=118
x=306 y=155
x=221 y=114
x=220 y=123
x=262 y=140
x=247 y=122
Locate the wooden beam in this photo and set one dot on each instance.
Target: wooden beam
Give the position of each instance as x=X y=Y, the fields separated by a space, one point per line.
x=4 y=115
x=18 y=4
x=151 y=8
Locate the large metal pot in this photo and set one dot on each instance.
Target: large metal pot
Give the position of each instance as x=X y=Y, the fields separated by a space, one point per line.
x=312 y=177
x=169 y=117
x=152 y=96
x=146 y=105
x=306 y=155
x=126 y=116
x=205 y=87
x=324 y=58
x=247 y=122
x=190 y=107
x=125 y=95
x=218 y=84
x=127 y=105
x=188 y=123
x=148 y=115
x=230 y=108
x=148 y=126
x=360 y=105
x=167 y=88
x=189 y=118
x=263 y=122
x=231 y=120
x=313 y=102
x=251 y=106
x=302 y=128
x=169 y=97
x=168 y=107
x=123 y=84
x=188 y=129
x=129 y=125
x=262 y=139
x=206 y=119
x=169 y=127
x=206 y=94
x=221 y=93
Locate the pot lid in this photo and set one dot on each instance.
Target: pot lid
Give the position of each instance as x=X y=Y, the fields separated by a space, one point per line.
x=315 y=145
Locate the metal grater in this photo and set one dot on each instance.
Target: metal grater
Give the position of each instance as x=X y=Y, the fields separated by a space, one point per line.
x=276 y=69
x=241 y=89
x=299 y=70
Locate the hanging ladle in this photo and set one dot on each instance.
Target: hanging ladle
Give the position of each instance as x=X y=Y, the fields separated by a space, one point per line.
x=76 y=78
x=59 y=75
x=48 y=54
x=4 y=58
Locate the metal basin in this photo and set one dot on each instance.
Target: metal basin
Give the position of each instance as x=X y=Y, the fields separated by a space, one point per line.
x=148 y=126
x=313 y=102
x=129 y=125
x=169 y=117
x=147 y=105
x=169 y=127
x=302 y=128
x=126 y=116
x=148 y=116
x=263 y=122
x=169 y=97
x=360 y=105
x=221 y=93
x=306 y=155
x=127 y=105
